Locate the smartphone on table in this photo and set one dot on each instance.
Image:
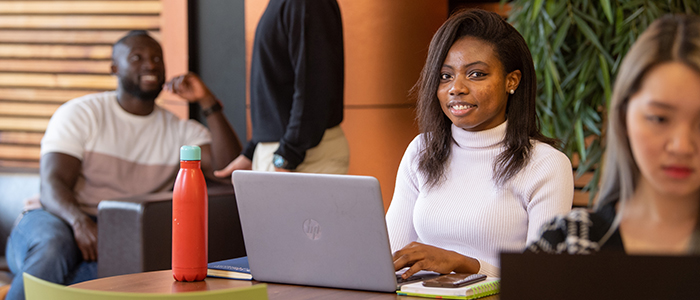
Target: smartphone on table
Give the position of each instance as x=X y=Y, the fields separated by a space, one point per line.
x=454 y=280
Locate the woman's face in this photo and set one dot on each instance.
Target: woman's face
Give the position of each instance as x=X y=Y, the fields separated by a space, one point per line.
x=663 y=126
x=473 y=90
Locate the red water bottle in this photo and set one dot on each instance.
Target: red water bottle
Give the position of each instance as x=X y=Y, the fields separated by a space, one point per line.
x=190 y=218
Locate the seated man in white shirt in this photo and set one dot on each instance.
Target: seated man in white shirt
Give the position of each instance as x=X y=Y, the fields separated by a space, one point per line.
x=109 y=145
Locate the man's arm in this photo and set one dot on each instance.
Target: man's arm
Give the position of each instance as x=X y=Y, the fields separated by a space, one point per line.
x=225 y=146
x=59 y=173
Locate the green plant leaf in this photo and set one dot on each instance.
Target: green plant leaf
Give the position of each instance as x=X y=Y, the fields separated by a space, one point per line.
x=607 y=9
x=591 y=36
x=595 y=152
x=592 y=186
x=592 y=125
x=556 y=9
x=555 y=77
x=594 y=114
x=619 y=18
x=549 y=94
x=547 y=19
x=561 y=34
x=535 y=9
x=606 y=77
x=580 y=139
x=573 y=72
x=633 y=16
x=591 y=19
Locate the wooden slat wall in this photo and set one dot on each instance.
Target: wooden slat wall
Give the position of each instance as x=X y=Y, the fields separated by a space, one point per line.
x=54 y=51
x=581 y=198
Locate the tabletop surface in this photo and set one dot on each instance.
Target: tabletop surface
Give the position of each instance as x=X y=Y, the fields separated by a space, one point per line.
x=163 y=282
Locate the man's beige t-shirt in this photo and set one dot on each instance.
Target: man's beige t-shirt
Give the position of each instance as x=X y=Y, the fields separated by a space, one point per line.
x=122 y=154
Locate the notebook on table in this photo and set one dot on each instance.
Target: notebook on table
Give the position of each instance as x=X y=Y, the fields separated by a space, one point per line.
x=315 y=229
x=477 y=290
x=235 y=268
x=599 y=276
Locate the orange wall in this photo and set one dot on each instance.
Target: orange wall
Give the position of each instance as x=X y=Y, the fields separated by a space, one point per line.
x=253 y=11
x=174 y=41
x=385 y=47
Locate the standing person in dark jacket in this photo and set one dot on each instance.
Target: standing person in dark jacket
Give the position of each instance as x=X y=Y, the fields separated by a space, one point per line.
x=296 y=91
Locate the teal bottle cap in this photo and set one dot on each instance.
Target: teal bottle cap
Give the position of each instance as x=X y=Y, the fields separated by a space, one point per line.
x=190 y=152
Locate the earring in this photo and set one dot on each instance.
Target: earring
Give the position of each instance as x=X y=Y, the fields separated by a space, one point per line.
x=512 y=92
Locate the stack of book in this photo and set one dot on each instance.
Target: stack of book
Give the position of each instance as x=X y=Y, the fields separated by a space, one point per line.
x=236 y=268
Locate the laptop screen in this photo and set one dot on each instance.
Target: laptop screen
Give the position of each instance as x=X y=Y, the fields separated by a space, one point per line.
x=599 y=276
x=315 y=229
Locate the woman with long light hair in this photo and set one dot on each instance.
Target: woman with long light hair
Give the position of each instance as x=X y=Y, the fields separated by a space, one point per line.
x=650 y=192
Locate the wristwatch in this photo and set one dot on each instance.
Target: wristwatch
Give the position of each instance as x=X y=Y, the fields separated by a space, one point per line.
x=214 y=108
x=279 y=161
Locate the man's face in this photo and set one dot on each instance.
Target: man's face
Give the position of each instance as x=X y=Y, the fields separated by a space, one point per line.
x=138 y=64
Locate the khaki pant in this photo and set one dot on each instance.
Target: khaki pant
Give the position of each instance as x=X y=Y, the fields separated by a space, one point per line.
x=330 y=156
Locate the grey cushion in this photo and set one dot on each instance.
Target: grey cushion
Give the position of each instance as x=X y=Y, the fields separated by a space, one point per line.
x=14 y=189
x=134 y=234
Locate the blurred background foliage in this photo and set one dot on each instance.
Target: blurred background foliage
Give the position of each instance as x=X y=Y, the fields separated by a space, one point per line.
x=577 y=47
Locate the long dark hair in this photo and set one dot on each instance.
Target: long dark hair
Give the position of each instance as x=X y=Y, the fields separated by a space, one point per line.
x=523 y=124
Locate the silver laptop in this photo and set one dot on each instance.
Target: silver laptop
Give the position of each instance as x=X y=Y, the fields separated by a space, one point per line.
x=315 y=229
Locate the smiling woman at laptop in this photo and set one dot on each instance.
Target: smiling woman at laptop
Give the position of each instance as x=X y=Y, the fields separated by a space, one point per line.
x=650 y=193
x=481 y=178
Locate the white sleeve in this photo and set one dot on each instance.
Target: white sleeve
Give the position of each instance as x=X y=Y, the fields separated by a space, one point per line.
x=195 y=133
x=549 y=182
x=399 y=217
x=552 y=191
x=68 y=130
x=488 y=269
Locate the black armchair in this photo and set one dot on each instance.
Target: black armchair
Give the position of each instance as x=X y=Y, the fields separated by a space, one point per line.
x=134 y=234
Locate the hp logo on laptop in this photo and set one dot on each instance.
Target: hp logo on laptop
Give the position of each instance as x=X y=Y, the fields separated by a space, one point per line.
x=312 y=229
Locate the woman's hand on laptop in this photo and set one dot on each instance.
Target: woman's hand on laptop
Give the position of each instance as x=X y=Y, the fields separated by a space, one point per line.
x=419 y=256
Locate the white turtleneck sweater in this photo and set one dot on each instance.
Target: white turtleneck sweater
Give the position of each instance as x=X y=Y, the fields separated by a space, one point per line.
x=468 y=213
